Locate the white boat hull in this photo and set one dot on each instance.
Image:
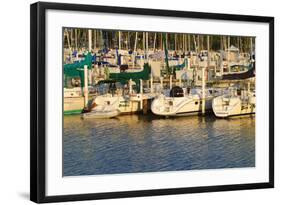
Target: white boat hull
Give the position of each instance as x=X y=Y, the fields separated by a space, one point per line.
x=233 y=106
x=101 y=114
x=123 y=104
x=182 y=106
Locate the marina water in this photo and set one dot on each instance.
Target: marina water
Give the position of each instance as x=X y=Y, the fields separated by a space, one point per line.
x=145 y=143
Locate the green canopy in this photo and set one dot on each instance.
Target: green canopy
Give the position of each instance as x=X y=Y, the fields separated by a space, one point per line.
x=124 y=77
x=77 y=69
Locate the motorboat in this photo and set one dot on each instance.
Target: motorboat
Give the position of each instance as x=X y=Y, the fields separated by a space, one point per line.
x=101 y=114
x=103 y=111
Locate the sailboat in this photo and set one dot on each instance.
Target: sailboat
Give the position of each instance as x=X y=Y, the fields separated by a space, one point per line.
x=234 y=103
x=114 y=94
x=74 y=81
x=183 y=103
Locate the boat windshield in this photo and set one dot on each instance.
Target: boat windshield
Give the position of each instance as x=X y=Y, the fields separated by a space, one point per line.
x=108 y=87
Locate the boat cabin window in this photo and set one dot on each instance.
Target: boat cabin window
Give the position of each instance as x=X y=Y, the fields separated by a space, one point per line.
x=108 y=87
x=237 y=68
x=71 y=82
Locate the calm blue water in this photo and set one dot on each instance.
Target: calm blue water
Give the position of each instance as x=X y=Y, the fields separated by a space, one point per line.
x=137 y=143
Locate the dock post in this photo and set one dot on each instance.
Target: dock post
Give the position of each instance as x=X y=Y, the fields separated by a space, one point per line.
x=130 y=86
x=171 y=82
x=145 y=106
x=141 y=86
x=85 y=86
x=141 y=93
x=151 y=83
x=90 y=76
x=188 y=63
x=203 y=91
x=121 y=60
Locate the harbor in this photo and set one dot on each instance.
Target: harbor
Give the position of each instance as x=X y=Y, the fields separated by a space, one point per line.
x=139 y=101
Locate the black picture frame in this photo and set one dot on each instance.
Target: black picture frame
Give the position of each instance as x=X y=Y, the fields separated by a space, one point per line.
x=38 y=101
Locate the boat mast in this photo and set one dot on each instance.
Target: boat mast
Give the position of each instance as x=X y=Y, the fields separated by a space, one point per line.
x=90 y=40
x=68 y=41
x=154 y=43
x=166 y=52
x=208 y=57
x=146 y=50
x=135 y=49
x=198 y=44
x=175 y=47
x=128 y=40
x=167 y=41
x=251 y=47
x=143 y=41
x=95 y=39
x=119 y=42
x=183 y=43
x=101 y=40
x=75 y=33
x=188 y=39
x=136 y=40
x=228 y=45
x=146 y=41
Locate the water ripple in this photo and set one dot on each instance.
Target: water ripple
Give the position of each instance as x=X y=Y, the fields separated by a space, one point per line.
x=137 y=143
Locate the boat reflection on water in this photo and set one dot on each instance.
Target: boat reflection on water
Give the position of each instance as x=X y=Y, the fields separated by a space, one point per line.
x=146 y=143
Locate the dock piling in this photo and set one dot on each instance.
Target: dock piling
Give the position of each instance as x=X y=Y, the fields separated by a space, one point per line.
x=85 y=85
x=141 y=94
x=203 y=91
x=145 y=106
x=130 y=86
x=151 y=83
x=171 y=82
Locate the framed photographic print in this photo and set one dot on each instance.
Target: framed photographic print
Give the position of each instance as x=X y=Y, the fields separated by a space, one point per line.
x=129 y=102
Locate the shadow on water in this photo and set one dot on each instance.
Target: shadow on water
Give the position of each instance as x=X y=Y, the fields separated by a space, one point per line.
x=147 y=143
